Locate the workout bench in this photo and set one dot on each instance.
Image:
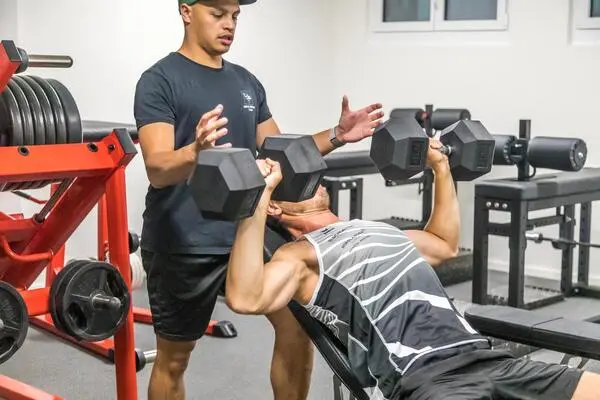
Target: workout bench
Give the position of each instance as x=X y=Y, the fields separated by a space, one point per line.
x=534 y=328
x=562 y=191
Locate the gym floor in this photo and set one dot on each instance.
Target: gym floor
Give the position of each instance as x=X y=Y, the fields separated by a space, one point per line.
x=224 y=369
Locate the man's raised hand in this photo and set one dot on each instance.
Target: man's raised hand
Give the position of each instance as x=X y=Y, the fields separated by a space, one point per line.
x=210 y=128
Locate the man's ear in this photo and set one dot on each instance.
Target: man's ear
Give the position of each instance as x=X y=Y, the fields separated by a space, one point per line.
x=273 y=210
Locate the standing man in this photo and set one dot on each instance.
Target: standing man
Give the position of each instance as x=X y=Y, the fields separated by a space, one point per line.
x=190 y=100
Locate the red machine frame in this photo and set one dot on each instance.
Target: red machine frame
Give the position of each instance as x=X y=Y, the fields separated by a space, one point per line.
x=28 y=245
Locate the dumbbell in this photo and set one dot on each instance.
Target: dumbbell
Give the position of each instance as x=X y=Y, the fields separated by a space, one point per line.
x=399 y=149
x=226 y=183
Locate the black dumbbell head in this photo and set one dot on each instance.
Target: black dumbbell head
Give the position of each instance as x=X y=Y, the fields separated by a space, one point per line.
x=302 y=165
x=472 y=149
x=226 y=183
x=399 y=148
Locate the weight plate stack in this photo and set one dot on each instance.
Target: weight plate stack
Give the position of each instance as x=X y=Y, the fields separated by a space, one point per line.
x=89 y=300
x=14 y=321
x=37 y=111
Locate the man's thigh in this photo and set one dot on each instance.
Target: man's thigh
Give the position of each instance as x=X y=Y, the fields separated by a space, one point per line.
x=182 y=290
x=527 y=379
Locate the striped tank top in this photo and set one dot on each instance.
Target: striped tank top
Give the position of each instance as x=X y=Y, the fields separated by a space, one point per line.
x=379 y=297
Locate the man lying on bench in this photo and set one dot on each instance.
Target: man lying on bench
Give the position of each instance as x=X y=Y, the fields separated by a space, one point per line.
x=373 y=286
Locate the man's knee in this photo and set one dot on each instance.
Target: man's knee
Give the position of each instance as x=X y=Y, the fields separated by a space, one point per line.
x=173 y=357
x=287 y=326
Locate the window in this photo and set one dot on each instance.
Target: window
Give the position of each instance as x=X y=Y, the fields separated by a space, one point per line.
x=438 y=15
x=586 y=14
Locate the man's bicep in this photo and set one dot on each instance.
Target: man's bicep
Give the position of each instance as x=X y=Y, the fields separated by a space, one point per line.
x=156 y=137
x=264 y=129
x=432 y=248
x=281 y=282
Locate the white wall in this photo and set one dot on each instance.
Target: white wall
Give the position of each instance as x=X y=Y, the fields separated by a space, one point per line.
x=112 y=42
x=533 y=71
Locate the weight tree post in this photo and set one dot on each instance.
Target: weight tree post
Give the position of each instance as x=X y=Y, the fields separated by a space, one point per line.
x=567 y=231
x=118 y=241
x=585 y=226
x=517 y=244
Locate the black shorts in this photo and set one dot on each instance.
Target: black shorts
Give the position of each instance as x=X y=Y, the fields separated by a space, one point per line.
x=183 y=290
x=495 y=375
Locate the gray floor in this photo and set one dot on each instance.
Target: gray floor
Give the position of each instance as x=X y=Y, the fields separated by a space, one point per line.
x=219 y=369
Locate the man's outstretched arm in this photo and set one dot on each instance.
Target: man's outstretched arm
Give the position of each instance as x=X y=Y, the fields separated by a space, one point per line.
x=439 y=240
x=253 y=287
x=353 y=126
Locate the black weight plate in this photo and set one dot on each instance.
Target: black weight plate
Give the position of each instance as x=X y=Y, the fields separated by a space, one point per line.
x=14 y=116
x=28 y=127
x=16 y=126
x=49 y=124
x=57 y=110
x=14 y=321
x=26 y=117
x=46 y=109
x=57 y=286
x=81 y=318
x=39 y=125
x=74 y=127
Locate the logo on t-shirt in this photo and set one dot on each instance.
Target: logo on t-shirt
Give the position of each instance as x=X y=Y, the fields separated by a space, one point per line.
x=247 y=101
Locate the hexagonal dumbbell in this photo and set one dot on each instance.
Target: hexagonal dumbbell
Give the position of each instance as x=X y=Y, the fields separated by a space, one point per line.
x=399 y=149
x=226 y=183
x=302 y=165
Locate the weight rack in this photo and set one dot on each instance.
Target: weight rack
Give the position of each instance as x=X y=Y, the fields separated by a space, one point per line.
x=86 y=172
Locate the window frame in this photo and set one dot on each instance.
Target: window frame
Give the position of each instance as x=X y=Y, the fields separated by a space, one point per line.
x=581 y=14
x=379 y=25
x=437 y=21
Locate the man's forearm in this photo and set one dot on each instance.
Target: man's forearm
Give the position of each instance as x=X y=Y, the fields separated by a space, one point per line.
x=171 y=167
x=323 y=142
x=445 y=217
x=245 y=272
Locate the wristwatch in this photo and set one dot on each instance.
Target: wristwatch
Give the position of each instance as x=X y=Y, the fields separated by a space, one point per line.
x=335 y=142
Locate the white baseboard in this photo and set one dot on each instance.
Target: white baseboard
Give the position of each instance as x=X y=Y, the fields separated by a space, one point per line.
x=539 y=271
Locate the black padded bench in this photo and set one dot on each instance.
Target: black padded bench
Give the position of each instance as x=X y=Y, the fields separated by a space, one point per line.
x=562 y=191
x=533 y=328
x=94 y=131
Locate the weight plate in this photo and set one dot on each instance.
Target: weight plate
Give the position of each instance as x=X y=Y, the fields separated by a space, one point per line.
x=26 y=117
x=57 y=284
x=57 y=110
x=75 y=301
x=74 y=127
x=48 y=116
x=14 y=321
x=28 y=127
x=38 y=123
x=46 y=109
x=39 y=126
x=16 y=126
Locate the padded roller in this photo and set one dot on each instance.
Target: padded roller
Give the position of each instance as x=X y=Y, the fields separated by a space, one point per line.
x=563 y=154
x=444 y=117
x=417 y=113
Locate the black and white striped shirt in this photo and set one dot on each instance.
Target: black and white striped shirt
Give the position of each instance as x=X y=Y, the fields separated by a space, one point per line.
x=379 y=296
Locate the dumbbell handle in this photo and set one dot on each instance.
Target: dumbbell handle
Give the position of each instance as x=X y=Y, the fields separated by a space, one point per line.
x=446 y=150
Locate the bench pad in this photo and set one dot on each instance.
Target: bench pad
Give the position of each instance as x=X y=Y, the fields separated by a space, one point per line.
x=541 y=186
x=533 y=328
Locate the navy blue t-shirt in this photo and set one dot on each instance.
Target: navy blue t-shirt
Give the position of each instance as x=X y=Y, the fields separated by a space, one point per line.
x=178 y=91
